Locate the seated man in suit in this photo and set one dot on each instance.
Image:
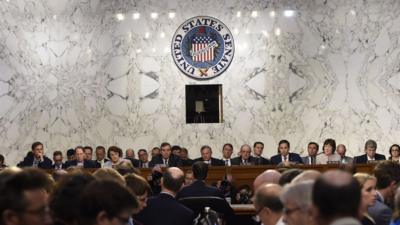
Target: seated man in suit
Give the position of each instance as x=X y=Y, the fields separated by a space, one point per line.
x=129 y=154
x=165 y=158
x=370 y=153
x=58 y=161
x=312 y=149
x=206 y=157
x=143 y=158
x=184 y=155
x=258 y=149
x=284 y=156
x=164 y=209
x=36 y=158
x=245 y=157
x=341 y=151
x=88 y=152
x=80 y=160
x=101 y=156
x=227 y=151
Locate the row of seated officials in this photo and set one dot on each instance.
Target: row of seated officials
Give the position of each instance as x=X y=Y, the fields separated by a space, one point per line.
x=167 y=156
x=293 y=197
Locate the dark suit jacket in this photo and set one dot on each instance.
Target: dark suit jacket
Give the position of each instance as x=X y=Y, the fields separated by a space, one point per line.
x=293 y=157
x=86 y=164
x=214 y=161
x=197 y=189
x=28 y=162
x=53 y=166
x=364 y=159
x=98 y=165
x=165 y=210
x=172 y=161
x=187 y=162
x=237 y=161
x=135 y=162
x=380 y=212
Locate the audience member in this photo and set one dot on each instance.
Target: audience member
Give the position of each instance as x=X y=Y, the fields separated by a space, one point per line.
x=65 y=199
x=206 y=157
x=297 y=201
x=341 y=151
x=328 y=153
x=80 y=160
x=336 y=199
x=258 y=148
x=166 y=158
x=370 y=153
x=164 y=209
x=307 y=175
x=284 y=156
x=58 y=161
x=36 y=158
x=268 y=204
x=387 y=175
x=188 y=177
x=227 y=151
x=24 y=198
x=106 y=202
x=368 y=196
x=312 y=150
x=289 y=175
x=266 y=177
x=88 y=152
x=139 y=186
x=245 y=158
x=394 y=152
x=109 y=174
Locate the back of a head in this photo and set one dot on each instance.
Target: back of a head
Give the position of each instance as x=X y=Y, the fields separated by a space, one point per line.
x=267 y=177
x=105 y=196
x=386 y=172
x=300 y=193
x=268 y=195
x=200 y=170
x=289 y=175
x=137 y=184
x=336 y=194
x=109 y=174
x=173 y=179
x=308 y=175
x=65 y=198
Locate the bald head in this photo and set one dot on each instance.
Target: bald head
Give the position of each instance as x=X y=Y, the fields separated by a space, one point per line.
x=308 y=175
x=172 y=180
x=268 y=196
x=267 y=177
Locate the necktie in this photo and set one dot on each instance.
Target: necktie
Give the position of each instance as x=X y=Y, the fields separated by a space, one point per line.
x=313 y=160
x=226 y=162
x=35 y=163
x=285 y=158
x=166 y=162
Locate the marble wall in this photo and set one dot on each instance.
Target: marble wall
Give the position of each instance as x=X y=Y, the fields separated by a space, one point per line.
x=94 y=72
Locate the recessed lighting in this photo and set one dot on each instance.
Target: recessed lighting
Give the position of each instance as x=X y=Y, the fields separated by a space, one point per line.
x=120 y=16
x=135 y=16
x=238 y=14
x=272 y=14
x=277 y=31
x=288 y=13
x=154 y=15
x=171 y=15
x=254 y=14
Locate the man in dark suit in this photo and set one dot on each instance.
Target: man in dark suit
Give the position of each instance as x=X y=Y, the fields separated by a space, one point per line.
x=387 y=175
x=58 y=161
x=165 y=158
x=80 y=160
x=312 y=149
x=101 y=156
x=36 y=158
x=370 y=153
x=206 y=157
x=245 y=158
x=164 y=209
x=258 y=149
x=227 y=151
x=143 y=158
x=284 y=156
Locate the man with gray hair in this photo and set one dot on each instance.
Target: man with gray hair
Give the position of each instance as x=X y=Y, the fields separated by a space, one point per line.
x=268 y=204
x=245 y=157
x=297 y=201
x=370 y=153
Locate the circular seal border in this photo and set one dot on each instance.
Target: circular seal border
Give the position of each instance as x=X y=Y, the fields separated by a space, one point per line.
x=195 y=72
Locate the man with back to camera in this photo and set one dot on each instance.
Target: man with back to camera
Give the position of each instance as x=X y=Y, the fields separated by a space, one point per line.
x=165 y=158
x=36 y=158
x=284 y=156
x=206 y=157
x=80 y=160
x=312 y=149
x=258 y=149
x=245 y=158
x=268 y=205
x=370 y=153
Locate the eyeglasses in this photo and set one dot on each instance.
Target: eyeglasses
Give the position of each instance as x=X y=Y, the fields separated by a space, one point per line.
x=288 y=211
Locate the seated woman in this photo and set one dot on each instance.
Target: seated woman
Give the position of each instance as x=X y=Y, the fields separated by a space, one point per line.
x=115 y=155
x=328 y=154
x=368 y=196
x=394 y=152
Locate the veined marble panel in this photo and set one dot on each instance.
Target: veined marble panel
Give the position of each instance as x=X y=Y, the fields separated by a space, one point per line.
x=100 y=72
